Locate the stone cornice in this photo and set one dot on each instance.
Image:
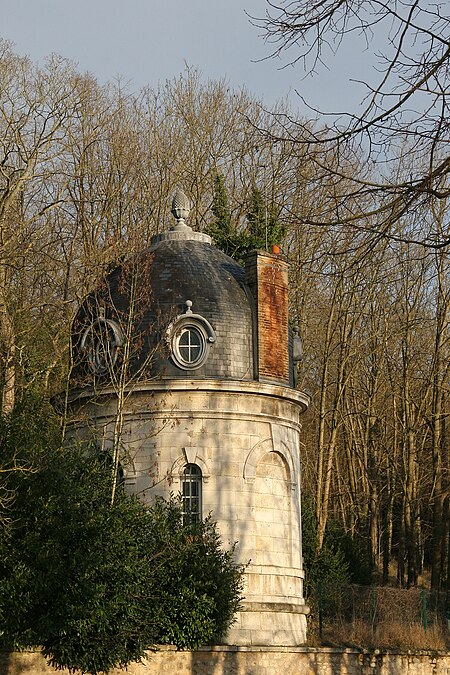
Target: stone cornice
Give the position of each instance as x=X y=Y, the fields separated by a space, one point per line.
x=250 y=388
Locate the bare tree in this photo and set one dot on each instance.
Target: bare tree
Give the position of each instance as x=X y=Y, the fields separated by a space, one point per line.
x=403 y=114
x=36 y=108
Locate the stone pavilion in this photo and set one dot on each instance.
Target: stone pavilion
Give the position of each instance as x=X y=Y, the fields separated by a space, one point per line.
x=185 y=360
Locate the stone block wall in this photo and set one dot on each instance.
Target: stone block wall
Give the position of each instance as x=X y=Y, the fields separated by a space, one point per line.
x=245 y=437
x=257 y=661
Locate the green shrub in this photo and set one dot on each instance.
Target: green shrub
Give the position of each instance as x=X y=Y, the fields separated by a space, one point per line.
x=328 y=566
x=97 y=584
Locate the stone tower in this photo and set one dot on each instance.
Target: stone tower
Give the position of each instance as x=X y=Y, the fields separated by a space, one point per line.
x=184 y=361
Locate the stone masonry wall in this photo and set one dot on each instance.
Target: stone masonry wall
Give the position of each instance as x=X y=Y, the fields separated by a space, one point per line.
x=245 y=437
x=257 y=661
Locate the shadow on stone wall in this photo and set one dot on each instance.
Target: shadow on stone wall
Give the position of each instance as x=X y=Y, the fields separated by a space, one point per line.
x=31 y=663
x=256 y=661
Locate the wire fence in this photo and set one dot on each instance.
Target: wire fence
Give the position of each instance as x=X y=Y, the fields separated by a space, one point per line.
x=379 y=616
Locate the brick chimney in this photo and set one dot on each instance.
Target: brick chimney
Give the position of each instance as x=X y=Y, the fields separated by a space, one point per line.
x=266 y=275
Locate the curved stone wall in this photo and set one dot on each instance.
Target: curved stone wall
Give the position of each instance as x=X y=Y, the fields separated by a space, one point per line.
x=245 y=437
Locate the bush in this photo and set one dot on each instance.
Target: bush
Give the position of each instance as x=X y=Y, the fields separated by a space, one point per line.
x=97 y=584
x=343 y=558
x=327 y=566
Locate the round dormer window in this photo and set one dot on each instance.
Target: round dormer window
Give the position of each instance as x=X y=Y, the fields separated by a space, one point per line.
x=189 y=346
x=101 y=342
x=190 y=336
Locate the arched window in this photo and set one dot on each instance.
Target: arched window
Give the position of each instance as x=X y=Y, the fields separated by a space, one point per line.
x=191 y=493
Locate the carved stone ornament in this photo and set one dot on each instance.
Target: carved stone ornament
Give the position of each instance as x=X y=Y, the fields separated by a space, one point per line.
x=181 y=207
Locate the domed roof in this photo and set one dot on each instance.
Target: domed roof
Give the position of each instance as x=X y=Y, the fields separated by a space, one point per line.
x=179 y=310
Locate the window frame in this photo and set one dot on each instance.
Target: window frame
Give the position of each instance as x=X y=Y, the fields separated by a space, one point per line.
x=192 y=476
x=98 y=335
x=195 y=323
x=177 y=353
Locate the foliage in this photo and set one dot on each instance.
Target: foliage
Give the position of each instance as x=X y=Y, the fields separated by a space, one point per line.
x=263 y=226
x=97 y=584
x=342 y=559
x=220 y=229
x=354 y=548
x=327 y=566
x=25 y=435
x=200 y=606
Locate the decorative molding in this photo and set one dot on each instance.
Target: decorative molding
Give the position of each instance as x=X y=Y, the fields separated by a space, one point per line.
x=262 y=448
x=179 y=464
x=254 y=457
x=284 y=449
x=191 y=454
x=251 y=388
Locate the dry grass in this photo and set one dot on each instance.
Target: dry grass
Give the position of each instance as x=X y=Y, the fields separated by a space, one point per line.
x=386 y=636
x=381 y=618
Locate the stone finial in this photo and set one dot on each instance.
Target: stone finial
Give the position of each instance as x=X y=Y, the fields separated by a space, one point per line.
x=181 y=207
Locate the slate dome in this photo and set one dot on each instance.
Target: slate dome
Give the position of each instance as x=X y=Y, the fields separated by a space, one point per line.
x=189 y=309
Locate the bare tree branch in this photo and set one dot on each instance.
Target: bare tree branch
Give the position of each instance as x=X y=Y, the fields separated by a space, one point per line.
x=403 y=122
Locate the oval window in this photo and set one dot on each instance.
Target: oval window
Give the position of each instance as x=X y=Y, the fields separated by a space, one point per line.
x=189 y=346
x=101 y=342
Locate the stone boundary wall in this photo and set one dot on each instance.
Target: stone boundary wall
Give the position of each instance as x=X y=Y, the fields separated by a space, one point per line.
x=257 y=661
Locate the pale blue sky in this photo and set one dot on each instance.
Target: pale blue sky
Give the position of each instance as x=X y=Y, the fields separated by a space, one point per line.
x=146 y=41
